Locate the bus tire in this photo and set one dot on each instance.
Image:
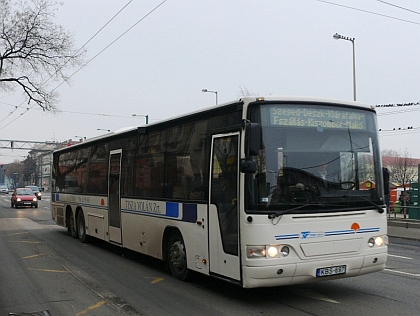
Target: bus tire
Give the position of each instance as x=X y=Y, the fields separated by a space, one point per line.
x=81 y=227
x=177 y=257
x=71 y=228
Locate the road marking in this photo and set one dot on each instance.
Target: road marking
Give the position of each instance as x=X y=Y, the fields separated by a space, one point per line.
x=23 y=224
x=48 y=270
x=119 y=304
x=316 y=296
x=401 y=257
x=29 y=257
x=17 y=234
x=155 y=280
x=404 y=273
x=27 y=241
x=97 y=305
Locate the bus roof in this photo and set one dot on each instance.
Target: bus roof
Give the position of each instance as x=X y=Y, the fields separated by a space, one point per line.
x=244 y=100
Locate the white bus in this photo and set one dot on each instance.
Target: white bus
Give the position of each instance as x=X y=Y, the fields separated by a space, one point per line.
x=264 y=191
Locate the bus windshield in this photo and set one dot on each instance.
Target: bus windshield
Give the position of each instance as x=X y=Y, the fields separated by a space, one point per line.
x=315 y=158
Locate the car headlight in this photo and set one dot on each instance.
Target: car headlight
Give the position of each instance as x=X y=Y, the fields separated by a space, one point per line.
x=34 y=199
x=18 y=199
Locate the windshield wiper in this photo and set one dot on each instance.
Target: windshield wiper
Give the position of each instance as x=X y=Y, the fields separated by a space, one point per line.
x=378 y=207
x=279 y=213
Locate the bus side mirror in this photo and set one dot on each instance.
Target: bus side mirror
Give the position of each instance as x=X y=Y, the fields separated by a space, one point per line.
x=253 y=139
x=248 y=166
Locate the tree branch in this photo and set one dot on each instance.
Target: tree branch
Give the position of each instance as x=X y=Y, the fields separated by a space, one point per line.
x=34 y=50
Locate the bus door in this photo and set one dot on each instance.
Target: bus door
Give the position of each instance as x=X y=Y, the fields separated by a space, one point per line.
x=223 y=208
x=114 y=202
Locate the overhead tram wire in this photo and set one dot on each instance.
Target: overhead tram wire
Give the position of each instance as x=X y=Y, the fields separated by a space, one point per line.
x=404 y=107
x=83 y=46
x=145 y=16
x=398 y=112
x=399 y=7
x=370 y=12
x=113 y=42
x=399 y=132
x=392 y=132
x=93 y=36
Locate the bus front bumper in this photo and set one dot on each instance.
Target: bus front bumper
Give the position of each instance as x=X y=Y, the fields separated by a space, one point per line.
x=306 y=272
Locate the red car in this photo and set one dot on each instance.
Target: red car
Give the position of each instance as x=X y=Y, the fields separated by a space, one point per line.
x=24 y=197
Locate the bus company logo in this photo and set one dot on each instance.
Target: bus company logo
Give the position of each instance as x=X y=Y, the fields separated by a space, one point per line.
x=83 y=199
x=309 y=234
x=143 y=206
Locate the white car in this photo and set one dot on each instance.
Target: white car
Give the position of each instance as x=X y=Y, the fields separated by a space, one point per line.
x=4 y=189
x=35 y=189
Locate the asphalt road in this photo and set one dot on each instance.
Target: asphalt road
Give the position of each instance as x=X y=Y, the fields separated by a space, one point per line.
x=43 y=268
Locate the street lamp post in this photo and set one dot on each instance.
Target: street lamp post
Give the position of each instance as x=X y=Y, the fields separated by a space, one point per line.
x=215 y=92
x=145 y=116
x=337 y=37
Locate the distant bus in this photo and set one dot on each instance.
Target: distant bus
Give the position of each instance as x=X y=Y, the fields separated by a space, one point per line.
x=263 y=191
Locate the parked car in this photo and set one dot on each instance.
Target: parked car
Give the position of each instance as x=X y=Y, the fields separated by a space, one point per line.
x=24 y=197
x=4 y=189
x=35 y=189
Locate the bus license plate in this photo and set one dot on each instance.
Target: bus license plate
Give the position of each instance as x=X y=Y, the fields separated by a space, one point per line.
x=330 y=271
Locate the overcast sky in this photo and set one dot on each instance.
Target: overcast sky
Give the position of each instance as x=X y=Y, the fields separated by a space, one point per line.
x=279 y=47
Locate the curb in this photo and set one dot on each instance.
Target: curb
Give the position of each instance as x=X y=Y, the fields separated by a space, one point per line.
x=409 y=229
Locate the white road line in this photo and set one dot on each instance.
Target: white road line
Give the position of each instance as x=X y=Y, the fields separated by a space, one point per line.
x=405 y=273
x=316 y=296
x=401 y=257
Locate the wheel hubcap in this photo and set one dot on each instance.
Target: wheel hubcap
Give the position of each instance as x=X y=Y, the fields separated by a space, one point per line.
x=177 y=255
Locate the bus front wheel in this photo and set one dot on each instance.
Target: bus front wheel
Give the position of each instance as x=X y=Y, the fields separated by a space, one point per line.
x=177 y=257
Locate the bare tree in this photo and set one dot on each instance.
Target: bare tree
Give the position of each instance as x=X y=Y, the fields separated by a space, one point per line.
x=15 y=172
x=33 y=50
x=402 y=169
x=244 y=92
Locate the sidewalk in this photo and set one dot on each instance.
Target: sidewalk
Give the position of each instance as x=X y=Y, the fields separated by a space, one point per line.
x=401 y=227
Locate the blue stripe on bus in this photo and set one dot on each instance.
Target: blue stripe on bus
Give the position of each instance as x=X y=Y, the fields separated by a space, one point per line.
x=367 y=230
x=172 y=209
x=189 y=213
x=339 y=232
x=331 y=233
x=287 y=236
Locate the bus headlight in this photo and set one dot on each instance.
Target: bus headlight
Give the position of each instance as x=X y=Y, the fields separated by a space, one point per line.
x=272 y=251
x=268 y=251
x=378 y=241
x=255 y=251
x=285 y=250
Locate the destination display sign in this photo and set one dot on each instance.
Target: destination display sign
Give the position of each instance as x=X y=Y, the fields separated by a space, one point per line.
x=317 y=117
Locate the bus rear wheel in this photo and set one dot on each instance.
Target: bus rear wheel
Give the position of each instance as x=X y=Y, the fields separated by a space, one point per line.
x=72 y=226
x=177 y=257
x=81 y=227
